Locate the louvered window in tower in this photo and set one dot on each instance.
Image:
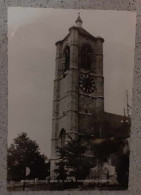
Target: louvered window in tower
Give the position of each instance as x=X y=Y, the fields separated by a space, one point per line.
x=67 y=58
x=86 y=53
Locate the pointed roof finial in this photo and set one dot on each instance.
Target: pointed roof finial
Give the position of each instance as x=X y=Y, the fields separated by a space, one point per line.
x=79 y=21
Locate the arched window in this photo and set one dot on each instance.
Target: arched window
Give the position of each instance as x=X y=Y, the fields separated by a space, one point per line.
x=67 y=58
x=86 y=53
x=62 y=137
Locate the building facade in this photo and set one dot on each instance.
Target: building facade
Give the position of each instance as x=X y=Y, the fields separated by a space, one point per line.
x=78 y=105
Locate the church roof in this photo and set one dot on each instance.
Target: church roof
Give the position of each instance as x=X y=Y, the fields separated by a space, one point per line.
x=82 y=32
x=113 y=126
x=116 y=125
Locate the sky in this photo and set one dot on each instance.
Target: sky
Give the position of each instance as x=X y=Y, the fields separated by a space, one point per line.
x=32 y=34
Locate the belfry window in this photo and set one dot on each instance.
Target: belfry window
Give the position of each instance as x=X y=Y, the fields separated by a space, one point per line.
x=86 y=54
x=62 y=137
x=67 y=58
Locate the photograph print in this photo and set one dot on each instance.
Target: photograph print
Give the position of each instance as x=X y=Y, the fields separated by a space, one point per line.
x=70 y=78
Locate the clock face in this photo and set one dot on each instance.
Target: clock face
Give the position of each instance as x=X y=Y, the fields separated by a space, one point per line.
x=87 y=83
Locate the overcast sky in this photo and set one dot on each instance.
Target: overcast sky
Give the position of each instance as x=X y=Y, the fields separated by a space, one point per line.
x=32 y=33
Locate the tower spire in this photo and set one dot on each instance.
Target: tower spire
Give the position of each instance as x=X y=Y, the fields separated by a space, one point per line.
x=78 y=21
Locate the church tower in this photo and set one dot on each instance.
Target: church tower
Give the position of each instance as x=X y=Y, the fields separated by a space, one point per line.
x=78 y=104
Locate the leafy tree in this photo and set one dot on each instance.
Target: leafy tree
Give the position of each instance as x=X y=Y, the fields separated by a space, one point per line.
x=73 y=162
x=103 y=149
x=23 y=153
x=61 y=170
x=123 y=169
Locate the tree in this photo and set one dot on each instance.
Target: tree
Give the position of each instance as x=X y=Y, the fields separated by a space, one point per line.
x=23 y=153
x=61 y=170
x=104 y=148
x=72 y=161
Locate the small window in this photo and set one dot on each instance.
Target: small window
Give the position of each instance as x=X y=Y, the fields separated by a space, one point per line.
x=86 y=53
x=67 y=58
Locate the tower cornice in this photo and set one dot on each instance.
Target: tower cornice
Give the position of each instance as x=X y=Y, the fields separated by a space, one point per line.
x=82 y=32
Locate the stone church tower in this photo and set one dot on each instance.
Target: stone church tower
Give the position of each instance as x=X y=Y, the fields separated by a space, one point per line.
x=78 y=104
